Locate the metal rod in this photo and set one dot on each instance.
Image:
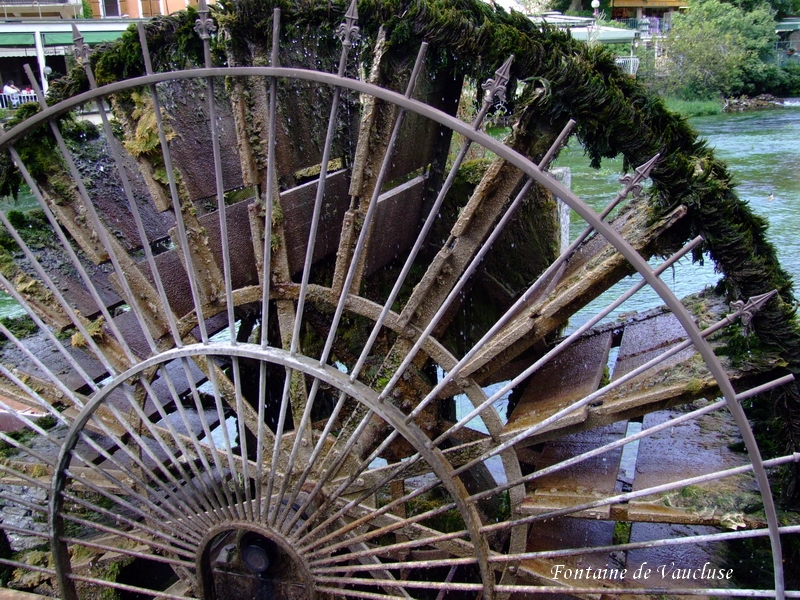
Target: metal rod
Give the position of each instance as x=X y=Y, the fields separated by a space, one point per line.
x=372 y=534
x=362 y=237
x=656 y=489
x=130 y=552
x=225 y=436
x=566 y=342
x=678 y=541
x=68 y=310
x=424 y=541
x=605 y=389
x=531 y=291
x=73 y=257
x=395 y=473
x=628 y=439
x=174 y=196
x=128 y=588
x=267 y=253
x=169 y=535
x=493 y=91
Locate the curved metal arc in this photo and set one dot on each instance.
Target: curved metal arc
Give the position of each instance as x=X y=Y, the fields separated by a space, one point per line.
x=328 y=374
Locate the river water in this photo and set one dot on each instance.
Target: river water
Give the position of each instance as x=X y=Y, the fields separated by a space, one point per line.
x=762 y=150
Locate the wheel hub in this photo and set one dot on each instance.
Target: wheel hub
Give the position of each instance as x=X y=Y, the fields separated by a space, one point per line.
x=242 y=561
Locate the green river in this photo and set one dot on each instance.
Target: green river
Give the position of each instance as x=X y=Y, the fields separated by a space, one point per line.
x=762 y=150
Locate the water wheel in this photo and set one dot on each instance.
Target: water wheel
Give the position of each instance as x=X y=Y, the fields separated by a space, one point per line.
x=275 y=360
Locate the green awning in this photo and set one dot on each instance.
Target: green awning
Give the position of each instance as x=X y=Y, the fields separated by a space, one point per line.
x=90 y=37
x=788 y=25
x=17 y=40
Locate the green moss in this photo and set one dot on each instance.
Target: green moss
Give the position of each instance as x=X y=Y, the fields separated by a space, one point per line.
x=20 y=327
x=23 y=436
x=95 y=329
x=145 y=139
x=446 y=522
x=38 y=150
x=622 y=532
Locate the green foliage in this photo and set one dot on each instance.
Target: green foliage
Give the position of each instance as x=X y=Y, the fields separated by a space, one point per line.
x=32 y=226
x=716 y=49
x=21 y=436
x=622 y=532
x=20 y=327
x=782 y=8
x=779 y=81
x=38 y=149
x=86 y=9
x=694 y=108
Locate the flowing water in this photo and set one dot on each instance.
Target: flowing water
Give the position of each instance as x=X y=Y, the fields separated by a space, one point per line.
x=25 y=201
x=762 y=150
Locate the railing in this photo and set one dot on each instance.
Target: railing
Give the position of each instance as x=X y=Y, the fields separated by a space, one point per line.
x=628 y=64
x=647 y=26
x=786 y=52
x=14 y=100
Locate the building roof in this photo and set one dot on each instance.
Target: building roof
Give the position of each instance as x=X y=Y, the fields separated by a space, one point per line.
x=584 y=28
x=788 y=24
x=604 y=35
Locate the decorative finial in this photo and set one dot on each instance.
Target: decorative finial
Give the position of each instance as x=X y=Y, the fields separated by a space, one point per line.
x=204 y=26
x=82 y=50
x=496 y=87
x=644 y=170
x=746 y=310
x=348 y=31
x=633 y=183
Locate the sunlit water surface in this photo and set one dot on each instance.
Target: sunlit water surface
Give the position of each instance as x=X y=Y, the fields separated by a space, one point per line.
x=762 y=150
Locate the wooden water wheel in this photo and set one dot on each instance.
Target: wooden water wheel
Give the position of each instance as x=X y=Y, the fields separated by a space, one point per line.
x=305 y=350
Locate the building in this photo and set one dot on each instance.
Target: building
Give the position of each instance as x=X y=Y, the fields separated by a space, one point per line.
x=136 y=9
x=45 y=43
x=39 y=32
x=649 y=17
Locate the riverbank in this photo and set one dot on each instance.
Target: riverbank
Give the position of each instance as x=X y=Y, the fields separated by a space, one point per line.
x=695 y=108
x=708 y=108
x=744 y=103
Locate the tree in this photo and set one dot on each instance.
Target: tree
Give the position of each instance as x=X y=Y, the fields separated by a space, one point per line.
x=782 y=8
x=718 y=49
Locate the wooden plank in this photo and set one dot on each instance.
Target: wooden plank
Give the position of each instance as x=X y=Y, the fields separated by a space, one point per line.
x=645 y=339
x=570 y=376
x=583 y=482
x=395 y=229
x=298 y=209
x=187 y=107
x=240 y=243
